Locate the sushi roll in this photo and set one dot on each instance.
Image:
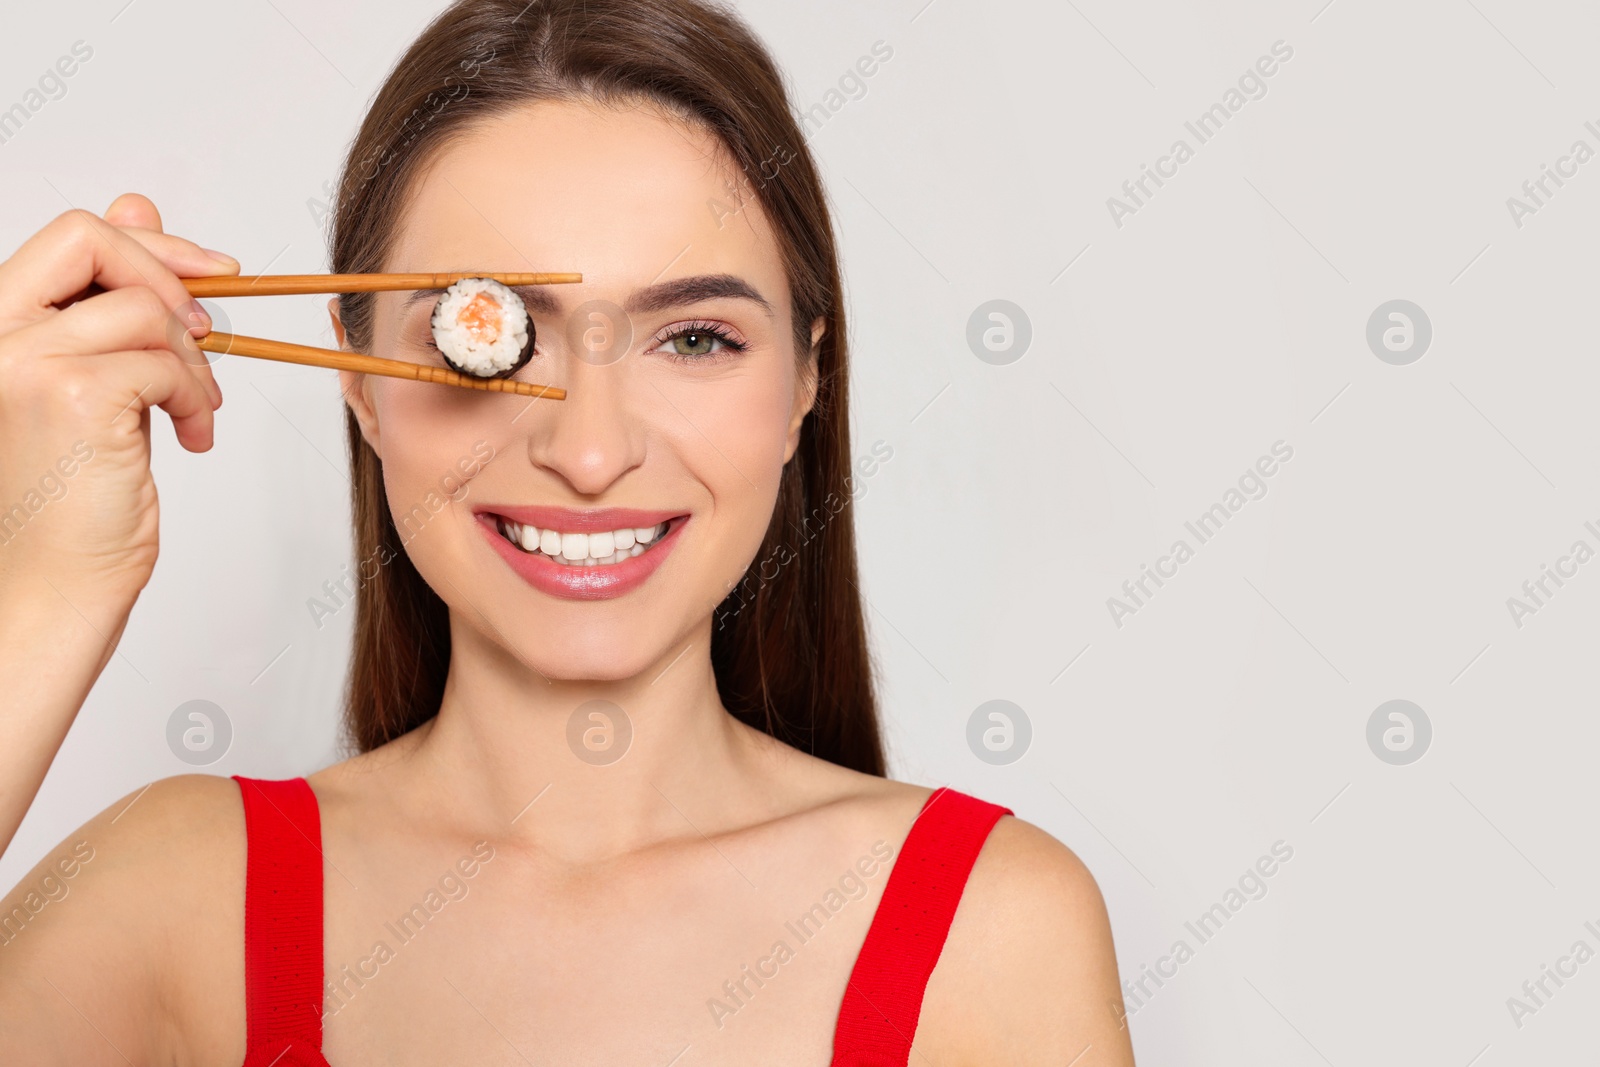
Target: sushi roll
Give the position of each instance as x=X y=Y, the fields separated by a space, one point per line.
x=482 y=328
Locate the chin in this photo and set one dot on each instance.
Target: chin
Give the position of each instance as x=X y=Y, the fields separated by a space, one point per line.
x=596 y=657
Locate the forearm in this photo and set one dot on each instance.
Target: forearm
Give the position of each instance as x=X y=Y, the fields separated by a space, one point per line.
x=51 y=652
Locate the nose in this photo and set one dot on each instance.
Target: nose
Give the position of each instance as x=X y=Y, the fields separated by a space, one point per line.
x=592 y=438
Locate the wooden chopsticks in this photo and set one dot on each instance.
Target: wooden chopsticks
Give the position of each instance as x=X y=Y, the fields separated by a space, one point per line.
x=299 y=284
x=284 y=352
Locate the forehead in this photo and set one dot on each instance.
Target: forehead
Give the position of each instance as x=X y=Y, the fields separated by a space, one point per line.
x=624 y=195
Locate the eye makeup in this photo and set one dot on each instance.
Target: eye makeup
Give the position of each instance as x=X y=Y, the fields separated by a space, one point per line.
x=700 y=334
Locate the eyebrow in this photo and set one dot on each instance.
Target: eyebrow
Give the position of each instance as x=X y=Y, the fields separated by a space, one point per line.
x=658 y=297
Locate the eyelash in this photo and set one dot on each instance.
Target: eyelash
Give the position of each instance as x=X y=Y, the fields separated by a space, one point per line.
x=731 y=346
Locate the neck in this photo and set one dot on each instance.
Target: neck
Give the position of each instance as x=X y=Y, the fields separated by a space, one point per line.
x=586 y=769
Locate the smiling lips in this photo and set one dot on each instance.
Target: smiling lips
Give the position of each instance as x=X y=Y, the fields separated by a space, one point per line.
x=582 y=554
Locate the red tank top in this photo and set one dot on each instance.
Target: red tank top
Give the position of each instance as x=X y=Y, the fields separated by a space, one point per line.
x=882 y=1000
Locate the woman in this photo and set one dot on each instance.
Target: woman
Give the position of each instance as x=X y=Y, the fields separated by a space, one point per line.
x=612 y=802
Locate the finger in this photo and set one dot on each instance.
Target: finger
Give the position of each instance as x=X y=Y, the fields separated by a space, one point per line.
x=73 y=250
x=133 y=209
x=131 y=318
x=138 y=379
x=183 y=257
x=187 y=260
x=136 y=214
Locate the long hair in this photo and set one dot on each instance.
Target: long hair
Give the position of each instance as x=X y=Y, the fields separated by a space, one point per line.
x=789 y=645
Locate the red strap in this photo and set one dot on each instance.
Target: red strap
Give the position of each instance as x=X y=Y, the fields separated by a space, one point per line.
x=883 y=999
x=282 y=922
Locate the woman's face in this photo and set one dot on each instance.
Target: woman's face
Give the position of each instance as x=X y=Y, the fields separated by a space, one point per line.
x=662 y=417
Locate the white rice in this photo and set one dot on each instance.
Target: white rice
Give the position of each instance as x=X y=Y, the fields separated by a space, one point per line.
x=462 y=346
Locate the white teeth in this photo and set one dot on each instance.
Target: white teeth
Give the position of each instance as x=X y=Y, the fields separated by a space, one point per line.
x=582 y=550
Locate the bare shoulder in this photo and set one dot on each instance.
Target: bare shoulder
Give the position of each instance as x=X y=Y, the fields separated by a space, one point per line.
x=1029 y=972
x=103 y=943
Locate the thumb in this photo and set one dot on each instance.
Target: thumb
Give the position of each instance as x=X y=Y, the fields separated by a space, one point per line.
x=134 y=209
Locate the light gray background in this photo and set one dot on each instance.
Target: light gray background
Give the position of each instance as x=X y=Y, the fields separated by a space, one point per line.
x=1168 y=354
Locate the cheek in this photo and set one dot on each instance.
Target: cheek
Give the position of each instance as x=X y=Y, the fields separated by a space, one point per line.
x=432 y=448
x=729 y=435
x=426 y=429
x=735 y=429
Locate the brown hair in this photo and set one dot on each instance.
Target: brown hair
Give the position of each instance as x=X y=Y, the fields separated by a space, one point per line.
x=789 y=648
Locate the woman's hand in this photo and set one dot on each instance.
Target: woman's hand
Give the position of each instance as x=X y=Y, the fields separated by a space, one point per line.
x=94 y=331
x=96 y=328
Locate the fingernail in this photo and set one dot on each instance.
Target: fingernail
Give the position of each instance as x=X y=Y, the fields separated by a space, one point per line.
x=199 y=321
x=221 y=257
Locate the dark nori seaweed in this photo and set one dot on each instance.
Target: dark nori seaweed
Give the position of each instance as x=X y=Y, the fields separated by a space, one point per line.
x=522 y=357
